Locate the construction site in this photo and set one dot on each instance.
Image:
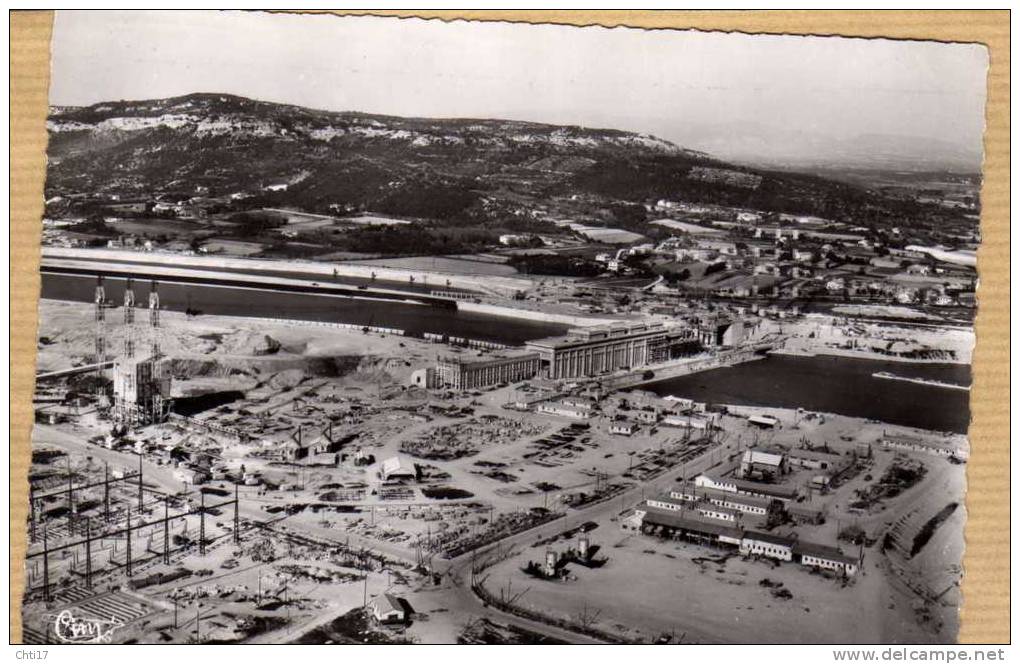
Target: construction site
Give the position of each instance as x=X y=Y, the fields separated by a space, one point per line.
x=201 y=478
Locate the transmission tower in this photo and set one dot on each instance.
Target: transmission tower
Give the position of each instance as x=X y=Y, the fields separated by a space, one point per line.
x=100 y=315
x=154 y=318
x=129 y=319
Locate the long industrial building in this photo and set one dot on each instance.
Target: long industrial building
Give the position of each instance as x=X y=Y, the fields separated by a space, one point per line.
x=468 y=375
x=591 y=351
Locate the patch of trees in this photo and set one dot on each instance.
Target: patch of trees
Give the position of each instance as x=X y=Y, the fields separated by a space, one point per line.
x=556 y=265
x=413 y=240
x=439 y=201
x=715 y=267
x=255 y=223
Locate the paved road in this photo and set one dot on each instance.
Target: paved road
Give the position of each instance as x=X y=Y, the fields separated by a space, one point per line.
x=459 y=568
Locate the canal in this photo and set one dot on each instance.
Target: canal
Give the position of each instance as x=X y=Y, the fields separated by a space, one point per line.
x=833 y=384
x=414 y=319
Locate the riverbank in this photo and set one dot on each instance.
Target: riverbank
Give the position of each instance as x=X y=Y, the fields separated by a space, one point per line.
x=858 y=355
x=882 y=341
x=921 y=381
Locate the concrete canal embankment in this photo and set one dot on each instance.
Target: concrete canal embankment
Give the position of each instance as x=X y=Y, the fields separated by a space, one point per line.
x=164 y=273
x=531 y=314
x=496 y=285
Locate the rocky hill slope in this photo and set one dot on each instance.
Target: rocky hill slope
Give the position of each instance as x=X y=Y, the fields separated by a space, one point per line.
x=459 y=171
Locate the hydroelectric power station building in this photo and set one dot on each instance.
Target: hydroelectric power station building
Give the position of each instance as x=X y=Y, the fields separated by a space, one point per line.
x=468 y=375
x=590 y=351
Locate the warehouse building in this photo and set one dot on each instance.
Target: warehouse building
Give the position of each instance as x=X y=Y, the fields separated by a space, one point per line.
x=694 y=529
x=745 y=487
x=758 y=462
x=652 y=520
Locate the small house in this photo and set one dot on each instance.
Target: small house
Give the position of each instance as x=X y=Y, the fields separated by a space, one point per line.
x=389 y=609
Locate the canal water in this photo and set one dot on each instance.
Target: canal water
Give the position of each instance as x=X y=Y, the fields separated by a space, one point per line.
x=823 y=383
x=226 y=301
x=839 y=385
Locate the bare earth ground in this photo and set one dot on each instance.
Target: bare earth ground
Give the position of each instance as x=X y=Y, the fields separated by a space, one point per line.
x=648 y=587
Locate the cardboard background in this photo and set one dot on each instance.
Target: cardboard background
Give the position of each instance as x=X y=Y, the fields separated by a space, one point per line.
x=985 y=617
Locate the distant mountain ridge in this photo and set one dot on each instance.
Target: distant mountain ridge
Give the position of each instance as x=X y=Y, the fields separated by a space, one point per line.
x=216 y=114
x=460 y=171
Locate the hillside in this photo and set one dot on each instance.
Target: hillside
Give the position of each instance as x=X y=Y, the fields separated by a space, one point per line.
x=459 y=172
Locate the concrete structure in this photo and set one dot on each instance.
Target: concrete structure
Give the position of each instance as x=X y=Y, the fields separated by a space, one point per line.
x=721 y=332
x=467 y=375
x=141 y=387
x=598 y=350
x=426 y=378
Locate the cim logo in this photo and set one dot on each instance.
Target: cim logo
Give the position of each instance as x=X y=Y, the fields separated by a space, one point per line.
x=70 y=628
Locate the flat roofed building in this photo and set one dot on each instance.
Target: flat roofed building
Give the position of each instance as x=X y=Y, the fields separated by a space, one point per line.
x=768 y=545
x=623 y=428
x=734 y=501
x=737 y=486
x=693 y=528
x=601 y=349
x=564 y=409
x=817 y=460
x=710 y=511
x=912 y=444
x=668 y=503
x=824 y=557
x=467 y=375
x=806 y=513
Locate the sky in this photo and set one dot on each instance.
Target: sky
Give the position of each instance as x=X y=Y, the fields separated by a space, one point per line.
x=751 y=98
